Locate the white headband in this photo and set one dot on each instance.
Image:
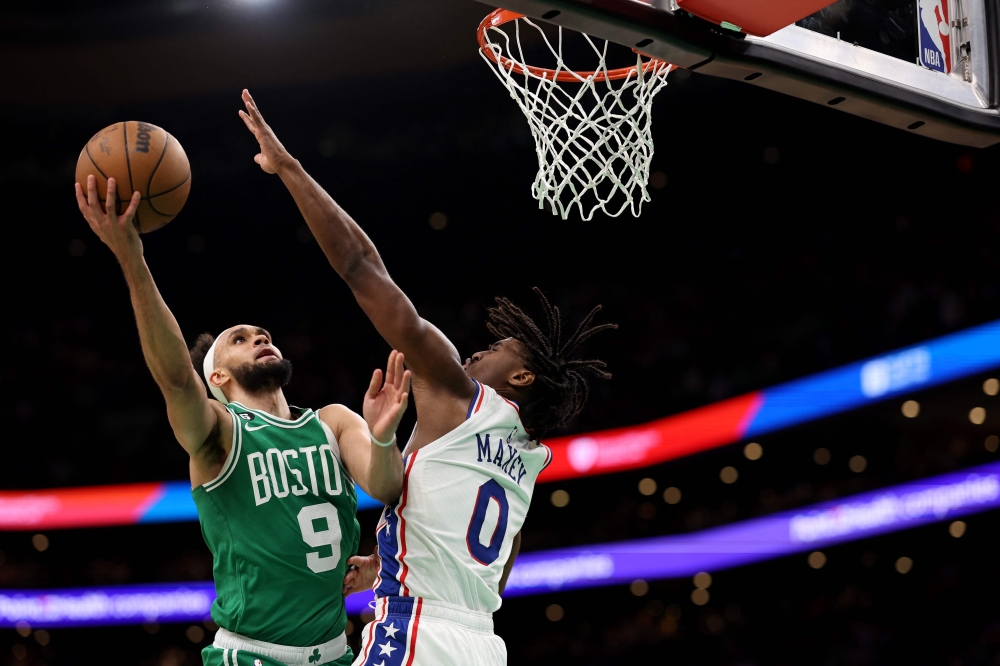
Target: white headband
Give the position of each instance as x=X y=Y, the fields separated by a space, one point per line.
x=208 y=367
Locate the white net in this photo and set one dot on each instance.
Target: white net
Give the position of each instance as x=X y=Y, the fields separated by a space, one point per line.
x=592 y=132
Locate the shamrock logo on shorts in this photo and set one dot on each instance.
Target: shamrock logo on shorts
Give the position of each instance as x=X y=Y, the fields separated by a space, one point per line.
x=314 y=656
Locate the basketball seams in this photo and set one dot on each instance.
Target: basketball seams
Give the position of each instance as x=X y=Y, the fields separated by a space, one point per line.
x=91 y=158
x=168 y=191
x=149 y=196
x=128 y=162
x=131 y=187
x=152 y=173
x=178 y=193
x=149 y=199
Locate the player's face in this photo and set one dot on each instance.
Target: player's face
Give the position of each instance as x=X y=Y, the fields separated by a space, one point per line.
x=242 y=345
x=495 y=366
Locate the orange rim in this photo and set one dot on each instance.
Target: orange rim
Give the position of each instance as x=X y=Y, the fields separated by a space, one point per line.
x=500 y=16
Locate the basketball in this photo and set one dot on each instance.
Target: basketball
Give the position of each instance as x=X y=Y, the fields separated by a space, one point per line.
x=140 y=157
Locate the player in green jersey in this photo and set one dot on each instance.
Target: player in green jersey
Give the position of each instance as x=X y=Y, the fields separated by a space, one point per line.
x=273 y=483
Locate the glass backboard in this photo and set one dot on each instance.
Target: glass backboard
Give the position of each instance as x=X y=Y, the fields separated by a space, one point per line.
x=930 y=67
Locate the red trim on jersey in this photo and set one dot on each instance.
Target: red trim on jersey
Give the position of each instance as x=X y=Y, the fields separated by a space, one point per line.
x=402 y=527
x=413 y=634
x=479 y=403
x=371 y=632
x=548 y=457
x=512 y=404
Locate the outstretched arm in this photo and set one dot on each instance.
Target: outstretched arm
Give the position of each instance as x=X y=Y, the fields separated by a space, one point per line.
x=192 y=415
x=431 y=356
x=378 y=469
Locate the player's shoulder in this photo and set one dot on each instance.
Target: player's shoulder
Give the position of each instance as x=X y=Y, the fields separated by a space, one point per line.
x=488 y=399
x=219 y=409
x=336 y=416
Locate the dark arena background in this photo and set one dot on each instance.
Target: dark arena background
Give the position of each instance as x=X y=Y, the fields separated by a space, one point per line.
x=783 y=240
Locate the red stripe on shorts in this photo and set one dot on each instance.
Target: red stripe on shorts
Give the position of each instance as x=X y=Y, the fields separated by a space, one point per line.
x=413 y=634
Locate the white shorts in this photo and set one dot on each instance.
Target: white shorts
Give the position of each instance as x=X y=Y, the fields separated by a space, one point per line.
x=411 y=631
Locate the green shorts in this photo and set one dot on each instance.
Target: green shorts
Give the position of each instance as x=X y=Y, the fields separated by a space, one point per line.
x=214 y=656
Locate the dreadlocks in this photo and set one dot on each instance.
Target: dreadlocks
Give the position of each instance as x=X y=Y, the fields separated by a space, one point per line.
x=560 y=388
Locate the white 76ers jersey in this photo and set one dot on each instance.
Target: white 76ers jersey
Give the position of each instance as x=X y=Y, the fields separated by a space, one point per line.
x=465 y=496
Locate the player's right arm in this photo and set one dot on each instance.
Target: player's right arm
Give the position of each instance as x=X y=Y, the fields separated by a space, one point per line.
x=432 y=358
x=194 y=418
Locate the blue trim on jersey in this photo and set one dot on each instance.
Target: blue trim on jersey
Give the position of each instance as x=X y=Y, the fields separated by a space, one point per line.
x=388 y=550
x=488 y=554
x=392 y=634
x=472 y=405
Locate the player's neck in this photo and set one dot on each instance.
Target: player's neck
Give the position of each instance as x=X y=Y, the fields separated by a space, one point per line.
x=273 y=402
x=506 y=391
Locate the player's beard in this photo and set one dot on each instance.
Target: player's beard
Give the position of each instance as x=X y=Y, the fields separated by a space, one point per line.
x=263 y=377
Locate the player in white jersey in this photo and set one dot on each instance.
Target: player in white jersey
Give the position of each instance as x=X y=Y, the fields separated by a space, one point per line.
x=448 y=543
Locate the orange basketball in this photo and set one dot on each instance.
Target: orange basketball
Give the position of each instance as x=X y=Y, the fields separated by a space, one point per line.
x=140 y=157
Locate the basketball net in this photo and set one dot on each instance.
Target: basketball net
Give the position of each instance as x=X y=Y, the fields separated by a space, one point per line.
x=592 y=130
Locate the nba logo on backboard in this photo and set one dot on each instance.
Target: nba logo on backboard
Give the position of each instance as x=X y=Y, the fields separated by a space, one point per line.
x=935 y=34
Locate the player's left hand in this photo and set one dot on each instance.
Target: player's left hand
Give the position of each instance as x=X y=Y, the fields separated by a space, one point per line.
x=272 y=154
x=361 y=573
x=117 y=231
x=385 y=406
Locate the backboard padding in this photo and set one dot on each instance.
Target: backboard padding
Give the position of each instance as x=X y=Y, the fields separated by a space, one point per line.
x=754 y=18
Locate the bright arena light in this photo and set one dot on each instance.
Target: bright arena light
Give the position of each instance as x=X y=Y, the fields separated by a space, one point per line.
x=672 y=495
x=700 y=596
x=977 y=415
x=753 y=451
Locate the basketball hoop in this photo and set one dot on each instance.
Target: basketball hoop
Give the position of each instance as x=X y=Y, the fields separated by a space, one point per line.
x=593 y=141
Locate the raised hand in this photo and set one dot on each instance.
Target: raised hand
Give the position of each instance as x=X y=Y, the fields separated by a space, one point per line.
x=361 y=573
x=272 y=153
x=116 y=231
x=385 y=406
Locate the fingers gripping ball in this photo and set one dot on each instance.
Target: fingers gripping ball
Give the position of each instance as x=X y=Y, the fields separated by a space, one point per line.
x=140 y=157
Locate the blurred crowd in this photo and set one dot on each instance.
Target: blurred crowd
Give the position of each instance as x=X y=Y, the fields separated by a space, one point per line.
x=775 y=245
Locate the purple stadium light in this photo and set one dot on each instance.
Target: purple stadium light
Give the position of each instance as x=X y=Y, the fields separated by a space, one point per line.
x=838 y=521
x=132 y=604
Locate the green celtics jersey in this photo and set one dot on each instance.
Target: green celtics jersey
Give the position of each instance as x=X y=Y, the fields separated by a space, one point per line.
x=280 y=520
